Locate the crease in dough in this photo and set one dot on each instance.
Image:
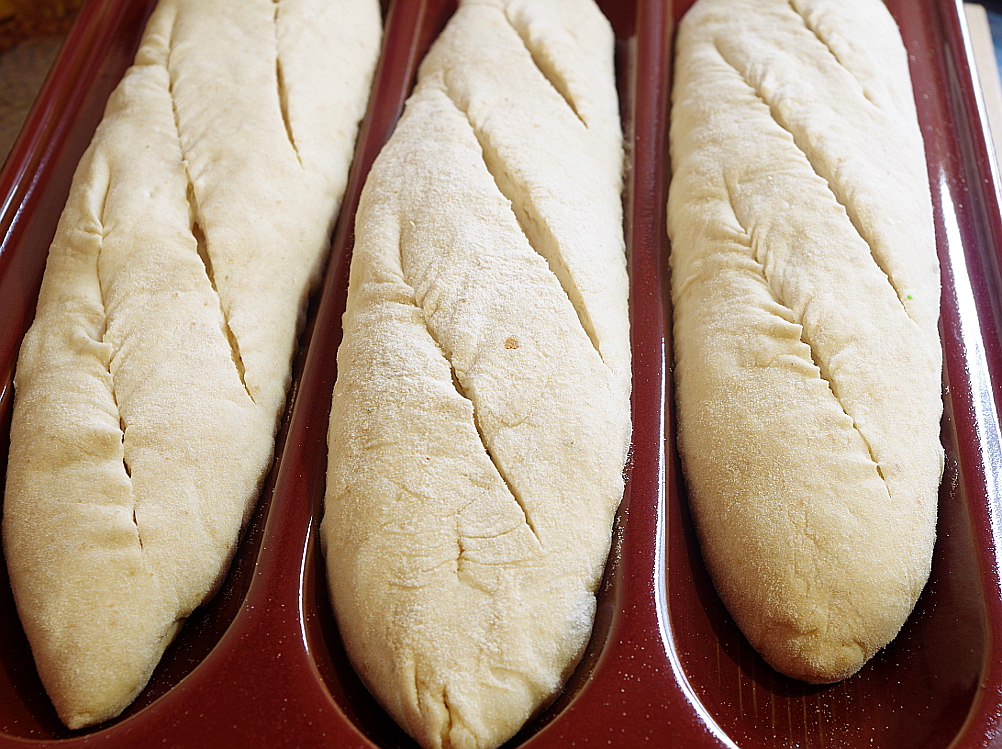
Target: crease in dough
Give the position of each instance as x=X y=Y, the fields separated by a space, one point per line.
x=538 y=51
x=198 y=234
x=282 y=91
x=787 y=315
x=820 y=167
x=470 y=398
x=530 y=220
x=831 y=47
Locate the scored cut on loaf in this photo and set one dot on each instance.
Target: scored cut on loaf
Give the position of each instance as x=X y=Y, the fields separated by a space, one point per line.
x=150 y=385
x=805 y=288
x=480 y=419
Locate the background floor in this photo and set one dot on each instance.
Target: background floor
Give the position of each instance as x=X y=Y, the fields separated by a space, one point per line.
x=31 y=32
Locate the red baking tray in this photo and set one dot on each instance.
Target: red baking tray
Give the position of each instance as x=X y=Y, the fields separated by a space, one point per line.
x=262 y=665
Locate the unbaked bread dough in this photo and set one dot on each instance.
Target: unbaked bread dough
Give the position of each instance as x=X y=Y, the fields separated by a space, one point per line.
x=805 y=289
x=480 y=420
x=149 y=387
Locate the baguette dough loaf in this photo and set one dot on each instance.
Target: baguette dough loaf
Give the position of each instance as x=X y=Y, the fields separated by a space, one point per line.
x=806 y=296
x=149 y=387
x=480 y=419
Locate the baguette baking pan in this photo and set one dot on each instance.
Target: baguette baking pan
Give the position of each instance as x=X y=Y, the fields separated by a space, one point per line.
x=262 y=665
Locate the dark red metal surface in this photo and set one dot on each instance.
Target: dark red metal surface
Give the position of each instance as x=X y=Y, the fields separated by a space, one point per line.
x=262 y=665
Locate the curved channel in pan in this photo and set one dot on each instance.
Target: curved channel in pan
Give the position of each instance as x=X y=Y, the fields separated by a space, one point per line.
x=933 y=685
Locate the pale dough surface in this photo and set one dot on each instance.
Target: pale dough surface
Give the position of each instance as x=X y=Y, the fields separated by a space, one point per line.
x=149 y=387
x=805 y=289
x=480 y=419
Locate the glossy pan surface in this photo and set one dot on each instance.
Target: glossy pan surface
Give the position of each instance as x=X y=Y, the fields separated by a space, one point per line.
x=262 y=664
